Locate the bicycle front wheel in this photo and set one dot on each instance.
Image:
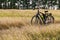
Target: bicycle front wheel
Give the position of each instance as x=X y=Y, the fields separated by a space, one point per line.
x=35 y=20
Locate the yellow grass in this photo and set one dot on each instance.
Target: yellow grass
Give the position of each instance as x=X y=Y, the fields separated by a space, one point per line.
x=15 y=25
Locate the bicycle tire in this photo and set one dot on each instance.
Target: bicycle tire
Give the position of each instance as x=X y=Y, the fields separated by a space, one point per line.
x=50 y=19
x=36 y=20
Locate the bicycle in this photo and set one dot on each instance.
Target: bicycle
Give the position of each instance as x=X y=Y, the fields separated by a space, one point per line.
x=38 y=19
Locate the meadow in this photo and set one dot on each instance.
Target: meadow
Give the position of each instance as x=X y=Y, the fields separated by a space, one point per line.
x=15 y=25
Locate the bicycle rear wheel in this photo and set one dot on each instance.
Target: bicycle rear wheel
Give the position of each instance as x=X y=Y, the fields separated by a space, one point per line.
x=49 y=19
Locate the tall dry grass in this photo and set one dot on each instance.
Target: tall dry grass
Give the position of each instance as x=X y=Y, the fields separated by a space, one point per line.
x=7 y=22
x=49 y=32
x=15 y=25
